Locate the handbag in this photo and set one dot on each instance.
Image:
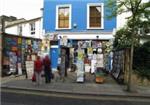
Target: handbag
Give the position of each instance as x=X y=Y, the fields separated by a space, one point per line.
x=33 y=78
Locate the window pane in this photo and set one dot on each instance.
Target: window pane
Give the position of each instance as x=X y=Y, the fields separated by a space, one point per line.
x=63 y=17
x=66 y=23
x=61 y=23
x=95 y=16
x=92 y=12
x=66 y=12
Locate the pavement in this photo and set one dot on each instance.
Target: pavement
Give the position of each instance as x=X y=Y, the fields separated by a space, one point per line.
x=70 y=86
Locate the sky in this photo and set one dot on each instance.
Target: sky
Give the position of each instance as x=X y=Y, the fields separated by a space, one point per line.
x=27 y=9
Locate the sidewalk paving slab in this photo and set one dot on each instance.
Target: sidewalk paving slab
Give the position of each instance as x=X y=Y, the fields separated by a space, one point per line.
x=89 y=87
x=75 y=88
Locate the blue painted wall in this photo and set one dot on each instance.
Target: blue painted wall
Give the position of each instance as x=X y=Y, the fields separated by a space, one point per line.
x=79 y=15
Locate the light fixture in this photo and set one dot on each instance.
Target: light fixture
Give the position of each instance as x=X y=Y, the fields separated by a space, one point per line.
x=75 y=25
x=97 y=37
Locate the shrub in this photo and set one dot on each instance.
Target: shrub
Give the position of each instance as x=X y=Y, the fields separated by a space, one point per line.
x=141 y=62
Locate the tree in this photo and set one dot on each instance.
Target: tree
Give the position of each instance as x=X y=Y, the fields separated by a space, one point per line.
x=137 y=10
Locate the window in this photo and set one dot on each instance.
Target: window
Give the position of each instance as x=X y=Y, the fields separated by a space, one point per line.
x=95 y=16
x=32 y=28
x=20 y=30
x=63 y=17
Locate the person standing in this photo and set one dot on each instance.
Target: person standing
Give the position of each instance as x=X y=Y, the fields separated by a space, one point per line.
x=38 y=69
x=47 y=69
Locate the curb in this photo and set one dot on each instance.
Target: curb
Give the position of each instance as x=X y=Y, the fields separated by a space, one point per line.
x=53 y=91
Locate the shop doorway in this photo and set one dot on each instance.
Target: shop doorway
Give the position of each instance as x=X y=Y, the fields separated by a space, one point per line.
x=67 y=57
x=54 y=57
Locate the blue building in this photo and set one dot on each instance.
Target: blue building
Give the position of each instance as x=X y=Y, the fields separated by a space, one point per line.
x=75 y=21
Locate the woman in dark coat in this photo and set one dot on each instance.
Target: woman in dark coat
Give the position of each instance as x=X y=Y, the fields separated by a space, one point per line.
x=47 y=69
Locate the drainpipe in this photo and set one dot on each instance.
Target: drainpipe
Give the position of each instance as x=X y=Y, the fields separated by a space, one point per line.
x=1 y=40
x=1 y=52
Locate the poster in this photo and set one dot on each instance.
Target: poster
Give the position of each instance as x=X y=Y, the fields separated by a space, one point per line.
x=13 y=61
x=19 y=40
x=64 y=41
x=33 y=57
x=90 y=50
x=29 y=42
x=14 y=48
x=80 y=54
x=29 y=69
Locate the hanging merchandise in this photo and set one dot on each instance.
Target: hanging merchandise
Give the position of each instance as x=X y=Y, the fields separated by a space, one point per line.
x=118 y=64
x=80 y=71
x=87 y=64
x=93 y=65
x=80 y=66
x=80 y=54
x=90 y=50
x=100 y=60
x=99 y=44
x=94 y=44
x=19 y=69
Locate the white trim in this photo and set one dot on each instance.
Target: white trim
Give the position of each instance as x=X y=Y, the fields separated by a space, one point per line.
x=70 y=16
x=102 y=15
x=87 y=36
x=54 y=46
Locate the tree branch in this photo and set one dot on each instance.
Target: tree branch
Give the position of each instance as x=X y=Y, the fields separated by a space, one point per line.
x=124 y=4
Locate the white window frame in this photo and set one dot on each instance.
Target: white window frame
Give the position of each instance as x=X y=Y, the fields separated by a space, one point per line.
x=70 y=16
x=102 y=15
x=34 y=28
x=20 y=29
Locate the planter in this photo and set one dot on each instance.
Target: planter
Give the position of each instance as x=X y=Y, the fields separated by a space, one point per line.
x=99 y=79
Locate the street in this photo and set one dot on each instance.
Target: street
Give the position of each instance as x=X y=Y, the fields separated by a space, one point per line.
x=28 y=98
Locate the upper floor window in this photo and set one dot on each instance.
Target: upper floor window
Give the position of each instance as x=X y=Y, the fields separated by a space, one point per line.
x=32 y=28
x=20 y=30
x=63 y=17
x=95 y=16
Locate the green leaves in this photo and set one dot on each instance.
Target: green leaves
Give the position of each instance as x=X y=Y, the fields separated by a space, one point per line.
x=142 y=60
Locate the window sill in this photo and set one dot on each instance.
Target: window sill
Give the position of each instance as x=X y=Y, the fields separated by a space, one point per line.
x=95 y=28
x=62 y=28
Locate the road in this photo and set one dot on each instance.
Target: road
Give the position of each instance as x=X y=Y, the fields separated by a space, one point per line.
x=25 y=98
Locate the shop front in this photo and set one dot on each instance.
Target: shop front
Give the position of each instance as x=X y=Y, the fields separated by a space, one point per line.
x=84 y=52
